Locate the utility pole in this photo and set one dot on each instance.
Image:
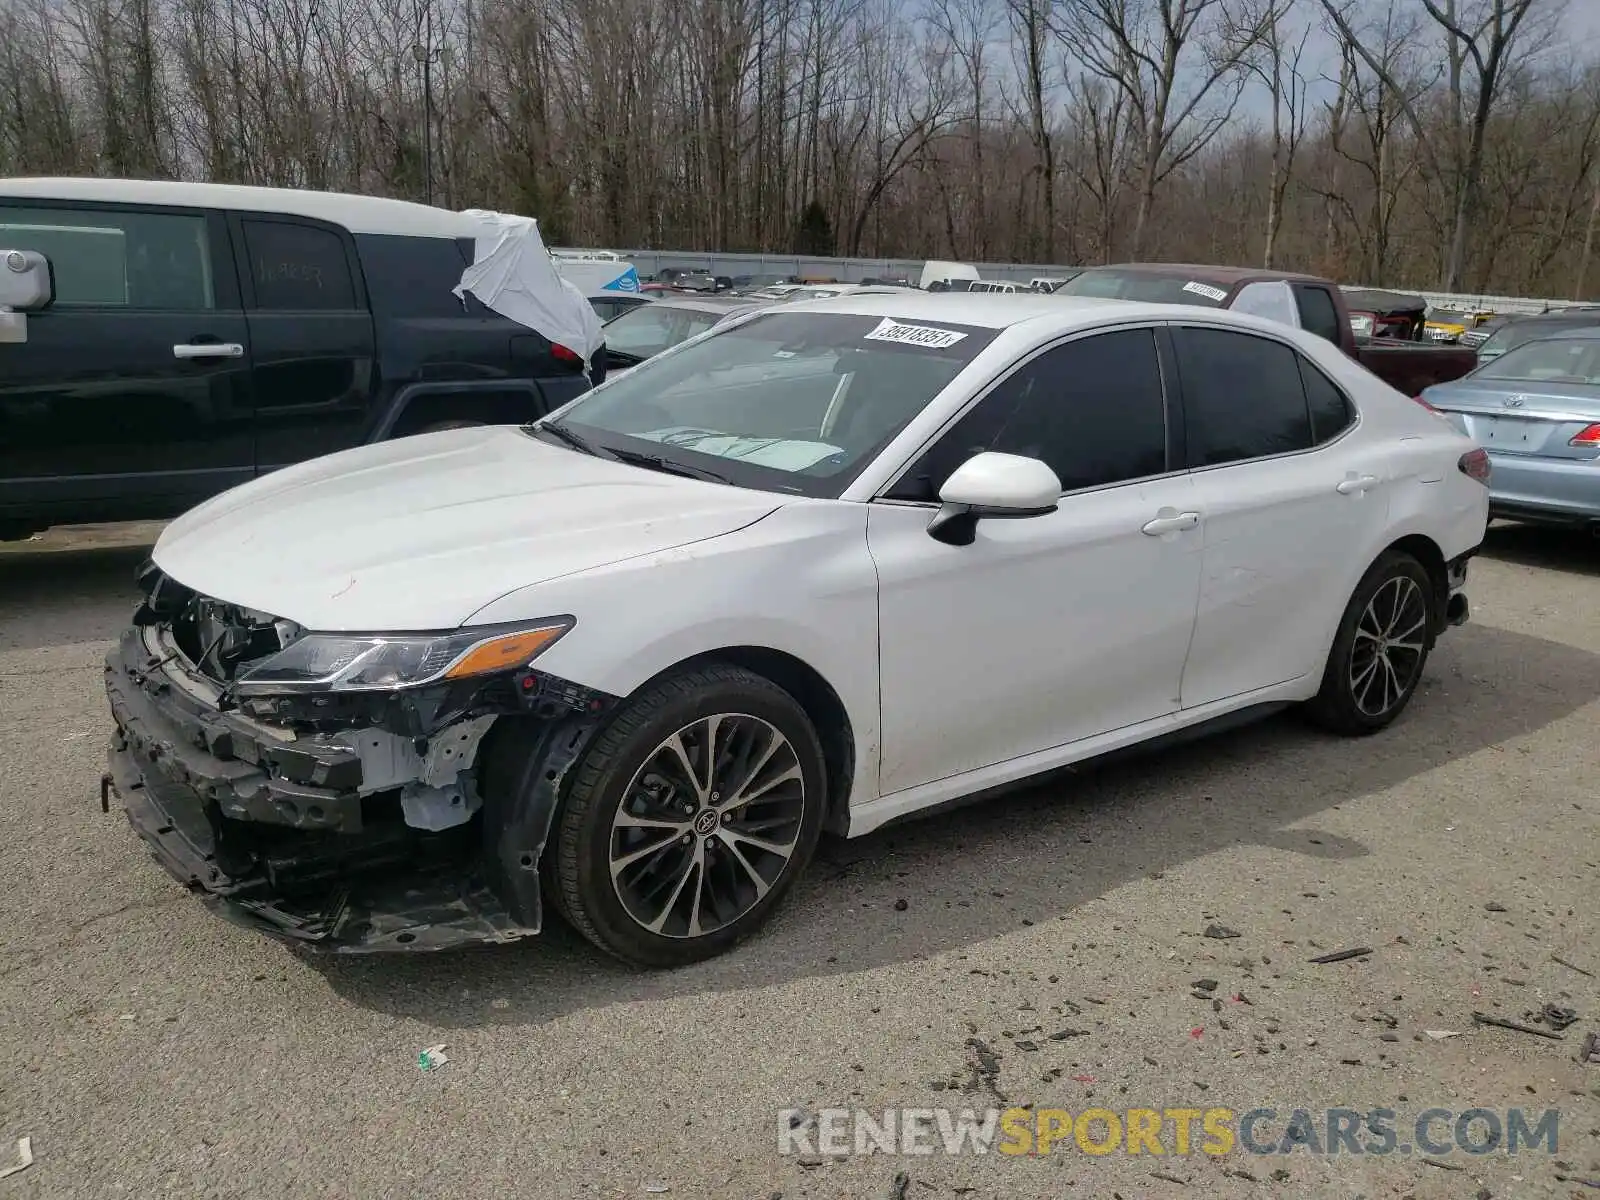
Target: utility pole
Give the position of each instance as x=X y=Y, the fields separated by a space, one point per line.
x=427 y=56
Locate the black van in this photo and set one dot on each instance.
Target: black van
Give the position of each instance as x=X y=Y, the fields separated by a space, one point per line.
x=189 y=337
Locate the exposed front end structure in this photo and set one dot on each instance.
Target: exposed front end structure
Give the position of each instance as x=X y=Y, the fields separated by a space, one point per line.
x=409 y=818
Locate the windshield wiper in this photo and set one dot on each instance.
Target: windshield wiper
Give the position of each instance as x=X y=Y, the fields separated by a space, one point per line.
x=666 y=466
x=562 y=434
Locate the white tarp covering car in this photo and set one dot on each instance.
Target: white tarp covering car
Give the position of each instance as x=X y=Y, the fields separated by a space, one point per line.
x=513 y=274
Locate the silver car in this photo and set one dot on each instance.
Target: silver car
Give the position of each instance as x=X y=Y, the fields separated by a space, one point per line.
x=646 y=331
x=1536 y=410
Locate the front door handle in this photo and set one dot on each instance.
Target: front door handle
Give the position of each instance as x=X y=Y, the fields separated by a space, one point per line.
x=208 y=350
x=1171 y=521
x=1354 y=485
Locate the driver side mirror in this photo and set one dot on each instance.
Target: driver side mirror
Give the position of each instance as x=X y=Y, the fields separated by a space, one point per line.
x=993 y=485
x=24 y=287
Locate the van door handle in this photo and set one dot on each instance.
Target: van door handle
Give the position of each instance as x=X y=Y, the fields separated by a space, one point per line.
x=1171 y=521
x=208 y=350
x=1355 y=485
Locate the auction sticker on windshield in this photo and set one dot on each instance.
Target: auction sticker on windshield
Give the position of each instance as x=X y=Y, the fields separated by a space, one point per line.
x=1206 y=290
x=890 y=330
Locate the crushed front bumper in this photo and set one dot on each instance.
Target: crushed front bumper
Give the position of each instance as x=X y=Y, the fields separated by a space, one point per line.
x=277 y=832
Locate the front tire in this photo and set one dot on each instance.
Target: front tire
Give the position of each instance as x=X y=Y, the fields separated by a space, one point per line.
x=1378 y=654
x=689 y=818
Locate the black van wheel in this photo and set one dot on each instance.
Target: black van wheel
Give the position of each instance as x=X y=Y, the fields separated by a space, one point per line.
x=1380 y=650
x=689 y=818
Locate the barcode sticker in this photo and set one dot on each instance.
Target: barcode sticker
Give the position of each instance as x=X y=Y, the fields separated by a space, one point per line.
x=889 y=330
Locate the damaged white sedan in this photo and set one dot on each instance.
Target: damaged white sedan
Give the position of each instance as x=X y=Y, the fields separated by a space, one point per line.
x=822 y=568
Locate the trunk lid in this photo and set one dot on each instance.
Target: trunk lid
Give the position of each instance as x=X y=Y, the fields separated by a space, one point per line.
x=1527 y=417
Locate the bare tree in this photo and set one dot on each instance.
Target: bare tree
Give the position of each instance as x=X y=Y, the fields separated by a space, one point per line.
x=1277 y=65
x=968 y=28
x=1481 y=41
x=1030 y=22
x=1178 y=63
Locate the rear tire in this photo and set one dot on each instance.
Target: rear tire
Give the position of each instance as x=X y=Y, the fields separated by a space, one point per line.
x=689 y=818
x=1380 y=650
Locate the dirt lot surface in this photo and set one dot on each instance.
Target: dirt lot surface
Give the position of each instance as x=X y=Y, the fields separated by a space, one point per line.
x=150 y=1049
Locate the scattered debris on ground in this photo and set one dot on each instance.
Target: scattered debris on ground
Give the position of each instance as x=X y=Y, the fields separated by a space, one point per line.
x=1555 y=1016
x=1221 y=932
x=1518 y=1026
x=1342 y=955
x=1590 y=1052
x=24 y=1158
x=432 y=1058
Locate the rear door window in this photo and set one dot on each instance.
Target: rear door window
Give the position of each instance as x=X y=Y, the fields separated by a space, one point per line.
x=1242 y=396
x=111 y=259
x=1331 y=410
x=298 y=268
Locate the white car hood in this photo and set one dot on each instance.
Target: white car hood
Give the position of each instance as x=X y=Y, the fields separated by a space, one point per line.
x=421 y=532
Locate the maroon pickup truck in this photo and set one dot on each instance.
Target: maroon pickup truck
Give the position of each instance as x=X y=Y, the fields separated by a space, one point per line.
x=1312 y=304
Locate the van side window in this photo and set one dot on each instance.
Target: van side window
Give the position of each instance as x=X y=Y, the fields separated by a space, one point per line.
x=297 y=268
x=105 y=259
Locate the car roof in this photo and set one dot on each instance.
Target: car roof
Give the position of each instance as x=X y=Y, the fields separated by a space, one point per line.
x=715 y=304
x=1379 y=299
x=358 y=214
x=1581 y=332
x=1206 y=273
x=1001 y=310
x=1559 y=316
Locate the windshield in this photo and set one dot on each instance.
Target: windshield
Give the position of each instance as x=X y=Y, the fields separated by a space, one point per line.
x=1520 y=333
x=785 y=401
x=1113 y=284
x=1549 y=360
x=1500 y=341
x=652 y=328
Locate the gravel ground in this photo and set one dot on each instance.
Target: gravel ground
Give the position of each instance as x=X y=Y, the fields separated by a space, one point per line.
x=150 y=1049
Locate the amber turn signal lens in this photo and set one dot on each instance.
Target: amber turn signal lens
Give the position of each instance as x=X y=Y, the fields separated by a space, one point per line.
x=505 y=653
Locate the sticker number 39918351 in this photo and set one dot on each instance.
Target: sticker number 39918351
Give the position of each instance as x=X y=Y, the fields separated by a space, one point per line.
x=1206 y=290
x=890 y=330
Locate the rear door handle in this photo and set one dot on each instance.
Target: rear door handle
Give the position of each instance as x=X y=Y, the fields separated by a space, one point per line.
x=1171 y=521
x=208 y=350
x=1354 y=485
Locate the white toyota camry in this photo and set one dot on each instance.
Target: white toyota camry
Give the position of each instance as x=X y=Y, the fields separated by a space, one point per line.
x=819 y=569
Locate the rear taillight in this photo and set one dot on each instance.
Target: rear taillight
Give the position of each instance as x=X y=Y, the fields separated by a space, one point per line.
x=1474 y=464
x=561 y=354
x=1587 y=437
x=1425 y=404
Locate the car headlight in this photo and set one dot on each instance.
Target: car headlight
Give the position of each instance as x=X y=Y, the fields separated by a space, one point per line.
x=340 y=662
